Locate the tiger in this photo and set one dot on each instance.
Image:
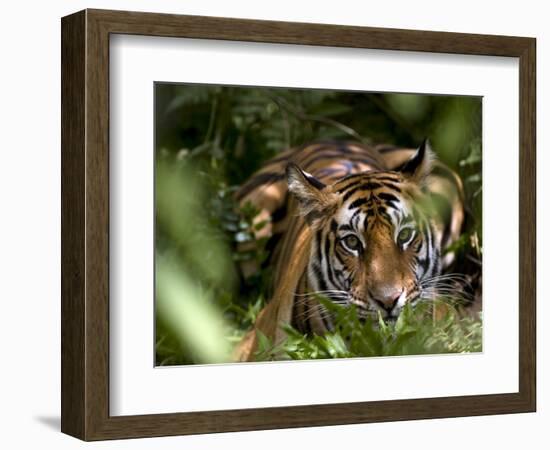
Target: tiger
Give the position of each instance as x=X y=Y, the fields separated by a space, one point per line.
x=352 y=222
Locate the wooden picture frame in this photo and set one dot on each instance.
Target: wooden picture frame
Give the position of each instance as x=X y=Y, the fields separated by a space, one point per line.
x=85 y=224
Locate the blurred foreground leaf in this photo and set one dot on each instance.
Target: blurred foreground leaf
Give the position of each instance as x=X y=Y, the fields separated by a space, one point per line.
x=188 y=312
x=180 y=209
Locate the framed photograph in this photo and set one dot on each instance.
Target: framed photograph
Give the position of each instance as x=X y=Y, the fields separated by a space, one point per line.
x=272 y=225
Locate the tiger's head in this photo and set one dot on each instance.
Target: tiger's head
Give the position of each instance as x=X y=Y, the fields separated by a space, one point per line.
x=373 y=243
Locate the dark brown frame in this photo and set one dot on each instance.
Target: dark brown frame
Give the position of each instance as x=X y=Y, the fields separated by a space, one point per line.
x=85 y=224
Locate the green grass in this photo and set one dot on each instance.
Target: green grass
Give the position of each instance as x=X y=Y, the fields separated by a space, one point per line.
x=415 y=332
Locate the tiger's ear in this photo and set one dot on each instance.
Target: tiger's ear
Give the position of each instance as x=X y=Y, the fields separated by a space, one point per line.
x=315 y=199
x=419 y=166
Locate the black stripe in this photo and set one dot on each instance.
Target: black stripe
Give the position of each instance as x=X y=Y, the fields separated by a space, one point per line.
x=424 y=263
x=256 y=181
x=353 y=176
x=352 y=219
x=270 y=246
x=331 y=156
x=392 y=205
x=428 y=234
x=352 y=182
x=327 y=172
x=338 y=273
x=319 y=277
x=388 y=149
x=319 y=239
x=306 y=319
x=344 y=149
x=388 y=197
x=327 y=260
x=280 y=213
x=391 y=186
x=355 y=219
x=359 y=202
x=387 y=178
x=382 y=212
x=314 y=182
x=361 y=187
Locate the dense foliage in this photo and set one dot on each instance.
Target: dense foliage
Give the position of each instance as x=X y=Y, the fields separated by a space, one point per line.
x=210 y=139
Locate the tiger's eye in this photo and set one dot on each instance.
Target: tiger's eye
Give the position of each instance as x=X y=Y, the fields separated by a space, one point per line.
x=352 y=242
x=404 y=235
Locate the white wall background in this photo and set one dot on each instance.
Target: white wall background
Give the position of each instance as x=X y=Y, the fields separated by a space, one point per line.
x=30 y=220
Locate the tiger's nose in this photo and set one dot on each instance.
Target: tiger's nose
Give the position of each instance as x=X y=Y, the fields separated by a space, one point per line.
x=386 y=298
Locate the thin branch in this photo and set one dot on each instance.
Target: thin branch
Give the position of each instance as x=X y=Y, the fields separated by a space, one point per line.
x=284 y=105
